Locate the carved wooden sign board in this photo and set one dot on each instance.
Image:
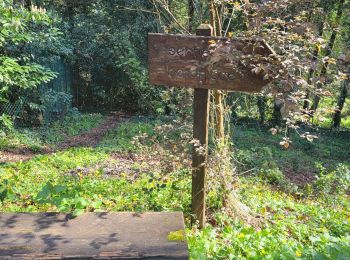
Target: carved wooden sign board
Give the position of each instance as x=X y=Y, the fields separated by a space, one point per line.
x=206 y=62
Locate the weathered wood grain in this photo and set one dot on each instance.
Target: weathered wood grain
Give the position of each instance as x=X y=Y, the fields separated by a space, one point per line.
x=122 y=235
x=192 y=61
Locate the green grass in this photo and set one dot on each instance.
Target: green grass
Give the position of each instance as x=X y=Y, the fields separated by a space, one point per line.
x=256 y=147
x=324 y=117
x=57 y=189
x=312 y=222
x=121 y=139
x=35 y=139
x=70 y=126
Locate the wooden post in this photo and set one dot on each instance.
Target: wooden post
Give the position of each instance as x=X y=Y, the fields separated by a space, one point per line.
x=200 y=133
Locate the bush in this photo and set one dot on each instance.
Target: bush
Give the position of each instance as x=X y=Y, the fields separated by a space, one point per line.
x=260 y=157
x=273 y=176
x=334 y=182
x=6 y=123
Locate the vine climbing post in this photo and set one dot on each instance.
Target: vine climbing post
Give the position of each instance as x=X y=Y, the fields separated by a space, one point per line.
x=200 y=133
x=215 y=20
x=185 y=61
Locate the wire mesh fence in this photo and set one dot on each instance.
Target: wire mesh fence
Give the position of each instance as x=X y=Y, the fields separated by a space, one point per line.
x=55 y=97
x=14 y=109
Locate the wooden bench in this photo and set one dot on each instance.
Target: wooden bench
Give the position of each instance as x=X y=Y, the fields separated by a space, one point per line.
x=121 y=235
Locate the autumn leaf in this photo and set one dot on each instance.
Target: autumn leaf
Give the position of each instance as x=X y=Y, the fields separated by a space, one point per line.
x=257 y=70
x=301 y=82
x=285 y=143
x=309 y=136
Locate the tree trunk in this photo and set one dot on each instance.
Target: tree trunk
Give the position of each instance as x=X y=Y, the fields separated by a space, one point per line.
x=190 y=15
x=277 y=115
x=341 y=101
x=313 y=67
x=328 y=52
x=262 y=100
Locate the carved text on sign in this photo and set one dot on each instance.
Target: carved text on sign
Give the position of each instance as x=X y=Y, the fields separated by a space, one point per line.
x=206 y=62
x=195 y=53
x=214 y=75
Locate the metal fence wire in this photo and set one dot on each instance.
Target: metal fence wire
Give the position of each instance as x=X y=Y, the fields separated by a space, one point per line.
x=14 y=109
x=56 y=95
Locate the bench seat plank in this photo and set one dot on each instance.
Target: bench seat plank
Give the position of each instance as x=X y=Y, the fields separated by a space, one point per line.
x=117 y=235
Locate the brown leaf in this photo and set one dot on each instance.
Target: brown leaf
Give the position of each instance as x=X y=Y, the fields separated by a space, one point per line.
x=273 y=131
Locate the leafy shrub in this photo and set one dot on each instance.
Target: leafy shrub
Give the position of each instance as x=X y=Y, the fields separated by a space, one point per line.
x=6 y=123
x=58 y=195
x=236 y=241
x=273 y=176
x=10 y=138
x=21 y=28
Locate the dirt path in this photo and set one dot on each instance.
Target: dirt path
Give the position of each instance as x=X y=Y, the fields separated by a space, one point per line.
x=89 y=139
x=16 y=156
x=93 y=137
x=299 y=178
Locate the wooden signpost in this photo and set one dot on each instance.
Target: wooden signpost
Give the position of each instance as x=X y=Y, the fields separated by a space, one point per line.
x=204 y=62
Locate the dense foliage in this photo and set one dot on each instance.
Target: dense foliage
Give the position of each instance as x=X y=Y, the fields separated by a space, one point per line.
x=109 y=52
x=18 y=72
x=20 y=27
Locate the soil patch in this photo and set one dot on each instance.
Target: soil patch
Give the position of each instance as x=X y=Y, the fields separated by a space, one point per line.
x=120 y=165
x=23 y=155
x=299 y=178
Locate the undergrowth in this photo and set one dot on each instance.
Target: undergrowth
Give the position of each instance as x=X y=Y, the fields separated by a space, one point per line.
x=36 y=138
x=141 y=166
